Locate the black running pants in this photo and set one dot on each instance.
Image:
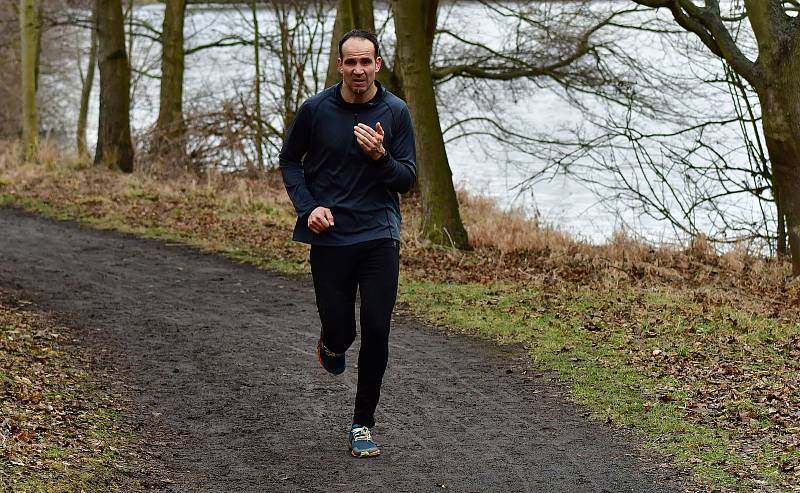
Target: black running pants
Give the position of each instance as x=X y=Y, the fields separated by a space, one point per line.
x=371 y=267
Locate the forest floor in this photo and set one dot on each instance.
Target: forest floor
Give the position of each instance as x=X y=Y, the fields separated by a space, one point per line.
x=594 y=353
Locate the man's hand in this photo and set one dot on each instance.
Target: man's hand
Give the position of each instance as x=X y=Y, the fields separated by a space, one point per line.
x=371 y=140
x=320 y=220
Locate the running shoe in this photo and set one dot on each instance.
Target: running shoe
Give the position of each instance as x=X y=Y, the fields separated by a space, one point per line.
x=332 y=362
x=361 y=444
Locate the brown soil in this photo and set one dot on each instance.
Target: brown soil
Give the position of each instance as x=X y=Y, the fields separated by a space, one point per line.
x=226 y=394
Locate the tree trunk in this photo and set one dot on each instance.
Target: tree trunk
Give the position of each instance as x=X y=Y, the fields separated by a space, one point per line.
x=441 y=219
x=358 y=14
x=39 y=9
x=283 y=16
x=114 y=147
x=778 y=89
x=344 y=22
x=29 y=39
x=781 y=247
x=86 y=91
x=781 y=119
x=169 y=126
x=257 y=53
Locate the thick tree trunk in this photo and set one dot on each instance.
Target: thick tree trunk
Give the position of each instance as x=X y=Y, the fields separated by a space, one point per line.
x=778 y=89
x=114 y=147
x=29 y=40
x=169 y=126
x=344 y=22
x=86 y=92
x=781 y=119
x=441 y=219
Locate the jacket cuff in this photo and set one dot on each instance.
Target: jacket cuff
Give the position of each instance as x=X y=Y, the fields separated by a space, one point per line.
x=383 y=159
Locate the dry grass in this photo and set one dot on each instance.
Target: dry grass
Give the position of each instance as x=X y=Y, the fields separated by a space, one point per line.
x=526 y=249
x=508 y=231
x=507 y=245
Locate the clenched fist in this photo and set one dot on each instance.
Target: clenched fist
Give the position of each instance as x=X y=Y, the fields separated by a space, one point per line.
x=320 y=220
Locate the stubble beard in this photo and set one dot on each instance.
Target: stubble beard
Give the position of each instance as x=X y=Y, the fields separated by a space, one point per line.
x=360 y=90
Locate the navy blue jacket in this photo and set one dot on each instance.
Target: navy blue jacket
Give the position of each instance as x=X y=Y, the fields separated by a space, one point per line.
x=323 y=165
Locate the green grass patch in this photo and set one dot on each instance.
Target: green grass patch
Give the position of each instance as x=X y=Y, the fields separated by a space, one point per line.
x=602 y=363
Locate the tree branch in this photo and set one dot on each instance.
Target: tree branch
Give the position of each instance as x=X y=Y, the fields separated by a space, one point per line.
x=708 y=25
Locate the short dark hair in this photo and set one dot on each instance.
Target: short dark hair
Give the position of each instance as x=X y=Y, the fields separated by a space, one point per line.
x=364 y=34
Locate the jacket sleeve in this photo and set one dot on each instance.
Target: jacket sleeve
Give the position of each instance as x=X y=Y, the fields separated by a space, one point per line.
x=398 y=169
x=294 y=150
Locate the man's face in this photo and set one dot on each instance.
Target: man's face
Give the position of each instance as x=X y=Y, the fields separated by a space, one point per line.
x=358 y=65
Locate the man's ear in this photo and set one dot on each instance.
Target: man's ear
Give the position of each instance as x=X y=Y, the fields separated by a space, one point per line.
x=378 y=63
x=339 y=65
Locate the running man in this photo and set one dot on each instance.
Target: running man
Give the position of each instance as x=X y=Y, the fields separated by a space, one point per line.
x=346 y=158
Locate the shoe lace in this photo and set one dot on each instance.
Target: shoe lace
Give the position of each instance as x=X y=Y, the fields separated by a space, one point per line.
x=362 y=433
x=330 y=353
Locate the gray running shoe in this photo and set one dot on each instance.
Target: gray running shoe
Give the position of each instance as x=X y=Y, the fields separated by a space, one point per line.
x=361 y=444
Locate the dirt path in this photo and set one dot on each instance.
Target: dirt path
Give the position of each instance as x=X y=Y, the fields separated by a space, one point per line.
x=228 y=397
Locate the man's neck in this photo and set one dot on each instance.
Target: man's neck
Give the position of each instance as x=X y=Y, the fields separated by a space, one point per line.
x=363 y=97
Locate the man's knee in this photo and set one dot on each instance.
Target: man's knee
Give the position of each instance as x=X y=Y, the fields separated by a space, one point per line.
x=338 y=338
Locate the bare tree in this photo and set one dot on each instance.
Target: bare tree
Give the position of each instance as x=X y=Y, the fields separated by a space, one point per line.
x=169 y=126
x=292 y=55
x=537 y=50
x=257 y=62
x=87 y=82
x=29 y=32
x=10 y=80
x=114 y=146
x=639 y=138
x=414 y=21
x=773 y=72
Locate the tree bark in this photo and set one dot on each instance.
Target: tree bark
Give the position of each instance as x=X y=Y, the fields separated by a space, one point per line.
x=781 y=248
x=441 y=218
x=283 y=17
x=86 y=91
x=779 y=93
x=344 y=22
x=780 y=106
x=169 y=126
x=29 y=40
x=114 y=146
x=257 y=53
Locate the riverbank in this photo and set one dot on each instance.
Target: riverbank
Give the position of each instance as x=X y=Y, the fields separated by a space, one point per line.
x=696 y=352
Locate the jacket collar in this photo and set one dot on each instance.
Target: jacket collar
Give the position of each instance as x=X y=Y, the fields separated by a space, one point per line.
x=372 y=102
